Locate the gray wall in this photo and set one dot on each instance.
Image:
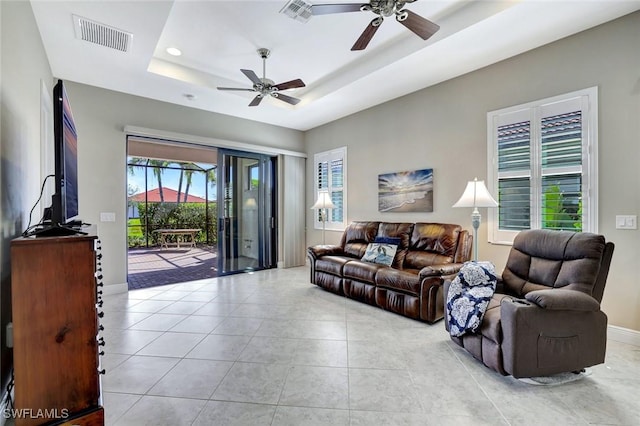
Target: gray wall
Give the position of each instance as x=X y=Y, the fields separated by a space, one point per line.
x=24 y=66
x=101 y=116
x=444 y=127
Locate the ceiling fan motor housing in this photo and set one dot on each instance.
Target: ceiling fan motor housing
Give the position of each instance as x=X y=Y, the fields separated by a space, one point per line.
x=384 y=8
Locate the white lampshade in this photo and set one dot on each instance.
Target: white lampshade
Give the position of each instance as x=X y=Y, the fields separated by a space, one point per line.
x=476 y=194
x=250 y=203
x=324 y=201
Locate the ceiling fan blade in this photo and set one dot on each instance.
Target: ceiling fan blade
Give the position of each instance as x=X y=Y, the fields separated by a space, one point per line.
x=325 y=9
x=288 y=99
x=256 y=101
x=252 y=76
x=236 y=89
x=366 y=35
x=420 y=26
x=293 y=84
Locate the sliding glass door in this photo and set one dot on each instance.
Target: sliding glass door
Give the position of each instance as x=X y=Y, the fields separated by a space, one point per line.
x=246 y=212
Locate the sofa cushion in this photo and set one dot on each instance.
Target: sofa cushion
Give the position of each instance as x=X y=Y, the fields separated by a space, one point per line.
x=397 y=230
x=432 y=244
x=404 y=281
x=491 y=327
x=381 y=253
x=357 y=236
x=362 y=271
x=332 y=264
x=416 y=259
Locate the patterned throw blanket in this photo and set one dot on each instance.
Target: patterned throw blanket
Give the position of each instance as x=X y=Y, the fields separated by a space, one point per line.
x=469 y=295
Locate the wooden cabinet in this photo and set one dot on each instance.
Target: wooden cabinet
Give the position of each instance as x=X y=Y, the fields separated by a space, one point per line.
x=55 y=324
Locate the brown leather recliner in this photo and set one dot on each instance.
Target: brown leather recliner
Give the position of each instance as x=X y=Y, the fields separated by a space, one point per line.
x=545 y=316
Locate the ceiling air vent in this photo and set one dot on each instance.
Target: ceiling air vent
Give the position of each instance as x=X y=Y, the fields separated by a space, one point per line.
x=104 y=35
x=298 y=10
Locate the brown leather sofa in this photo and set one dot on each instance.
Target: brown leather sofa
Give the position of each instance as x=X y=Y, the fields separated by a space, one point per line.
x=412 y=286
x=545 y=316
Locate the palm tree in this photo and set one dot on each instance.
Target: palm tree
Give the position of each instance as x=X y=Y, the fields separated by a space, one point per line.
x=182 y=166
x=188 y=174
x=135 y=162
x=158 y=170
x=211 y=177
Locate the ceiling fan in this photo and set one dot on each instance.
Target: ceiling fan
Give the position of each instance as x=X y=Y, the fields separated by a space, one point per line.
x=422 y=27
x=266 y=87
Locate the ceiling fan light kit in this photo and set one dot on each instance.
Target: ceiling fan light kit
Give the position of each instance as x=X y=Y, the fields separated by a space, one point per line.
x=267 y=87
x=420 y=26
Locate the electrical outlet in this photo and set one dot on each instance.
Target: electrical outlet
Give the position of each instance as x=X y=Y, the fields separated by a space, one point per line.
x=107 y=217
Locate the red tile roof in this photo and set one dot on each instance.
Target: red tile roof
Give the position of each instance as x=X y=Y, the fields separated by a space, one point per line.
x=170 y=196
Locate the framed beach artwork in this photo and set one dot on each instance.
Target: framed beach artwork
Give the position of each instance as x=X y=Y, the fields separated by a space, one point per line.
x=406 y=191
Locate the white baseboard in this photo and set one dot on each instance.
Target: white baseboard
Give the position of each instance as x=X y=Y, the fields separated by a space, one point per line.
x=623 y=335
x=115 y=288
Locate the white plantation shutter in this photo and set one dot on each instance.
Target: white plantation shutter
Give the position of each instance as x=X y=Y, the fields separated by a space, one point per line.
x=330 y=175
x=543 y=165
x=323 y=175
x=514 y=173
x=337 y=189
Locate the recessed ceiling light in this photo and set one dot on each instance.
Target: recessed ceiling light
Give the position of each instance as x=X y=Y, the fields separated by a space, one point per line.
x=174 y=51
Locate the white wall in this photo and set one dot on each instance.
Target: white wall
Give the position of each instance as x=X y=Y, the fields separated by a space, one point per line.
x=444 y=128
x=23 y=69
x=101 y=116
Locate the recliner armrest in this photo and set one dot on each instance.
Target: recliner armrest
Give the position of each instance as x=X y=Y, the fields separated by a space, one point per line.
x=440 y=270
x=559 y=299
x=324 y=250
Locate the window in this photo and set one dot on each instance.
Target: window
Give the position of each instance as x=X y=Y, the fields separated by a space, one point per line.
x=331 y=175
x=543 y=165
x=253 y=172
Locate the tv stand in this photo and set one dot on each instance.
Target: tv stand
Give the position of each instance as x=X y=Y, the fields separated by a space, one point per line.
x=56 y=331
x=57 y=231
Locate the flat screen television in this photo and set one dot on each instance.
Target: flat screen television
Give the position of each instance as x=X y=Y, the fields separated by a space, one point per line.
x=62 y=216
x=64 y=207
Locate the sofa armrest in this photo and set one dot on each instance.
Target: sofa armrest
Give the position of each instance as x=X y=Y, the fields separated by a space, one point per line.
x=318 y=251
x=559 y=299
x=440 y=270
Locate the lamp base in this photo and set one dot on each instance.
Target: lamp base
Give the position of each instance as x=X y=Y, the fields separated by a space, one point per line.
x=475 y=223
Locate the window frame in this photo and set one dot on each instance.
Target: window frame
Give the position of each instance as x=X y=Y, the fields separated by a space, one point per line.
x=328 y=156
x=532 y=111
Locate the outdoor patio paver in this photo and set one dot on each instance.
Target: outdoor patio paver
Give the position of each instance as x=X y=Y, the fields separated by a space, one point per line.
x=149 y=267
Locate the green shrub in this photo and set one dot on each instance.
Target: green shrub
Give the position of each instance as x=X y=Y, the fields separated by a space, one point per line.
x=557 y=214
x=175 y=216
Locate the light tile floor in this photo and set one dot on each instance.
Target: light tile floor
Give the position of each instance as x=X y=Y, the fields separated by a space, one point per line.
x=271 y=349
